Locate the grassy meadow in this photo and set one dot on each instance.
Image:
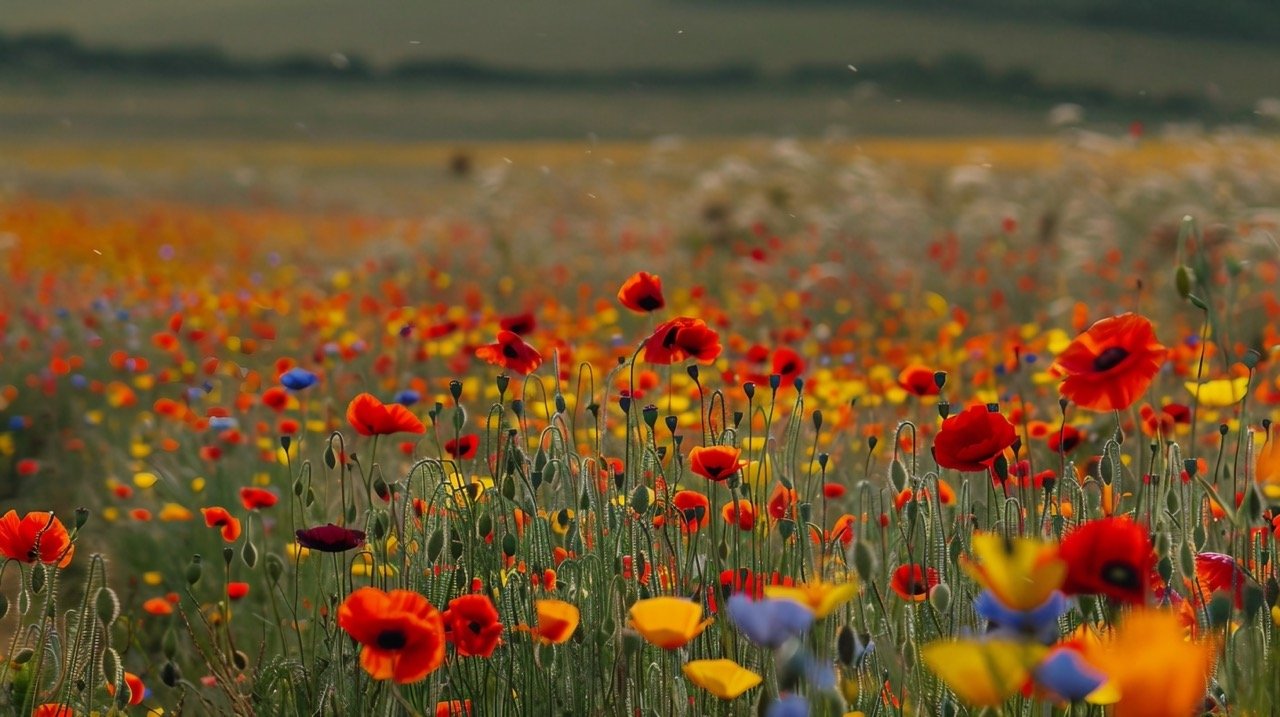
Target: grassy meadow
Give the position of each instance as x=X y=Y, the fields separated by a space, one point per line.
x=362 y=424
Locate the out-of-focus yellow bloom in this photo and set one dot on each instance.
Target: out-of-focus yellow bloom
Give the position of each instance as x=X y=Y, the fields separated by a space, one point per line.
x=172 y=512
x=1021 y=572
x=983 y=673
x=668 y=622
x=818 y=596
x=145 y=479
x=725 y=679
x=1219 y=393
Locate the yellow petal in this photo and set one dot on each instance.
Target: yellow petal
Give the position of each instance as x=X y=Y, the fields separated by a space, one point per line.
x=725 y=679
x=667 y=622
x=1021 y=572
x=983 y=674
x=1219 y=393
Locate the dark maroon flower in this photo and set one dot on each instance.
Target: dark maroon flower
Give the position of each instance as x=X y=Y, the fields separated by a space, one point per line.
x=330 y=538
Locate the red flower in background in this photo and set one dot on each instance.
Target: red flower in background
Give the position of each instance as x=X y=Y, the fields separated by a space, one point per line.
x=971 y=440
x=918 y=380
x=522 y=324
x=642 y=293
x=471 y=624
x=740 y=513
x=680 y=339
x=511 y=353
x=371 y=417
x=913 y=583
x=462 y=447
x=255 y=498
x=1064 y=440
x=217 y=517
x=694 y=510
x=1217 y=572
x=1111 y=364
x=788 y=365
x=1110 y=556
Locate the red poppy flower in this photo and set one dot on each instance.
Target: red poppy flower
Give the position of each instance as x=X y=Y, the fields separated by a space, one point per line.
x=1110 y=556
x=371 y=417
x=642 y=293
x=1064 y=440
x=255 y=498
x=694 y=510
x=463 y=447
x=788 y=365
x=680 y=339
x=972 y=439
x=53 y=709
x=471 y=624
x=1217 y=572
x=740 y=513
x=715 y=463
x=133 y=683
x=275 y=398
x=157 y=606
x=401 y=632
x=237 y=591
x=511 y=353
x=913 y=583
x=918 y=380
x=330 y=538
x=454 y=708
x=1111 y=364
x=35 y=537
x=522 y=324
x=217 y=517
x=781 y=500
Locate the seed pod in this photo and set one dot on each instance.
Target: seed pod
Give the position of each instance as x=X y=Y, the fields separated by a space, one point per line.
x=249 y=554
x=275 y=567
x=194 y=570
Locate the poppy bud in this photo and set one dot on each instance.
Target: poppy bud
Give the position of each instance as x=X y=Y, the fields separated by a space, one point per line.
x=108 y=605
x=23 y=656
x=817 y=420
x=37 y=579
x=170 y=675
x=1183 y=278
x=169 y=643
x=455 y=389
x=749 y=388
x=897 y=475
x=228 y=554
x=274 y=567
x=502 y=381
x=249 y=554
x=864 y=562
x=650 y=415
x=940 y=597
x=194 y=570
x=82 y=517
x=285 y=442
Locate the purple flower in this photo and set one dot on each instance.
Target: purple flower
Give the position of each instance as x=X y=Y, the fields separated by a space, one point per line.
x=769 y=622
x=330 y=538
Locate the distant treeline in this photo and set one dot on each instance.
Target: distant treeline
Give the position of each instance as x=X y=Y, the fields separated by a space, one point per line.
x=956 y=75
x=1249 y=20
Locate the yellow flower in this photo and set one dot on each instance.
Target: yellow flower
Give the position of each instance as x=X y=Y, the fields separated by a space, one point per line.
x=172 y=512
x=668 y=622
x=818 y=596
x=725 y=679
x=1219 y=393
x=557 y=620
x=983 y=673
x=1153 y=666
x=1021 y=572
x=1268 y=473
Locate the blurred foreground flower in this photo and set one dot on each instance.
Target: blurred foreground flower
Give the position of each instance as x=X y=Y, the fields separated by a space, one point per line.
x=725 y=679
x=668 y=622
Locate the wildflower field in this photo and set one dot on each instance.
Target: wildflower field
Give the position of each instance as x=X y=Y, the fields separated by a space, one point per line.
x=774 y=428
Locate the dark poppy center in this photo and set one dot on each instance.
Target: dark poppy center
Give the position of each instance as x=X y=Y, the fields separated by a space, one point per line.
x=474 y=627
x=669 y=339
x=918 y=586
x=1110 y=358
x=787 y=368
x=509 y=350
x=1121 y=574
x=713 y=471
x=391 y=640
x=649 y=303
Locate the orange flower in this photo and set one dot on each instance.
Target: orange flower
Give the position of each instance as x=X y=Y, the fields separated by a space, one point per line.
x=557 y=620
x=715 y=463
x=740 y=513
x=137 y=690
x=402 y=633
x=454 y=708
x=371 y=417
x=511 y=353
x=157 y=606
x=1109 y=366
x=216 y=517
x=642 y=293
x=36 y=537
